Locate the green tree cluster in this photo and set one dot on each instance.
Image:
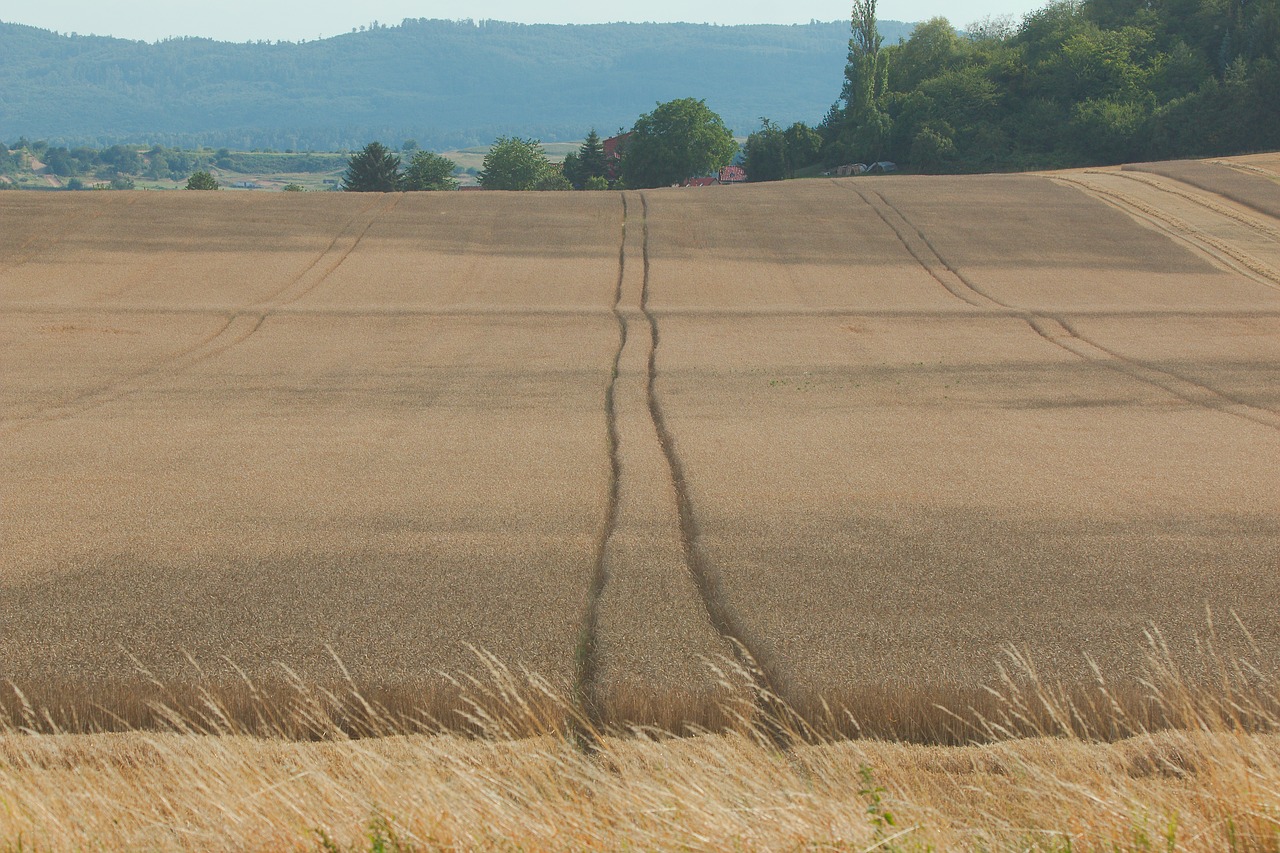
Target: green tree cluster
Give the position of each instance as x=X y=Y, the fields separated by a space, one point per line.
x=587 y=168
x=773 y=154
x=376 y=168
x=1077 y=82
x=116 y=163
x=520 y=164
x=680 y=139
x=428 y=171
x=202 y=181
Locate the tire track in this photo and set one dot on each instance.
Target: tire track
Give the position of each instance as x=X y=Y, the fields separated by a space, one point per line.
x=777 y=723
x=1060 y=331
x=1057 y=332
x=374 y=210
x=1221 y=251
x=1196 y=198
x=928 y=258
x=241 y=324
x=587 y=653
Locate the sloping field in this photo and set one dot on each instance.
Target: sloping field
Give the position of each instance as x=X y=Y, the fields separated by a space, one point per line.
x=871 y=432
x=892 y=496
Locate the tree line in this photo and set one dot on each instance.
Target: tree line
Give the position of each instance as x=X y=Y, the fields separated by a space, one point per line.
x=677 y=140
x=122 y=163
x=1076 y=82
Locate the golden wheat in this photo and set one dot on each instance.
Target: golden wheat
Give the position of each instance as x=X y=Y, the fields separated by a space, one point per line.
x=523 y=781
x=867 y=434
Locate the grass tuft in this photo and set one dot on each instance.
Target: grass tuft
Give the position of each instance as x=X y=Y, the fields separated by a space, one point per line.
x=1165 y=763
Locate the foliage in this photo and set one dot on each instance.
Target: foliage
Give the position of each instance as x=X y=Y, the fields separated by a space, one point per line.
x=587 y=163
x=293 y=188
x=372 y=169
x=268 y=162
x=772 y=154
x=517 y=164
x=678 y=140
x=552 y=180
x=882 y=820
x=864 y=127
x=765 y=154
x=428 y=171
x=1078 y=82
x=571 y=168
x=202 y=181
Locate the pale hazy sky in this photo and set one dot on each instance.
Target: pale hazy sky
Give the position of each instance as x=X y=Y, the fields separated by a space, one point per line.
x=245 y=20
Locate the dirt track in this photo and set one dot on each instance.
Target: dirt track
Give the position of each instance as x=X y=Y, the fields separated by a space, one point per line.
x=874 y=429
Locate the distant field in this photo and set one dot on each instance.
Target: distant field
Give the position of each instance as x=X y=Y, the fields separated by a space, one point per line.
x=875 y=430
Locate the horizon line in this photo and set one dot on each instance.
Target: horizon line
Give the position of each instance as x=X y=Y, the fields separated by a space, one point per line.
x=477 y=23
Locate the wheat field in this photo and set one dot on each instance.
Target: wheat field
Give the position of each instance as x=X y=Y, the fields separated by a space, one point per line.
x=858 y=439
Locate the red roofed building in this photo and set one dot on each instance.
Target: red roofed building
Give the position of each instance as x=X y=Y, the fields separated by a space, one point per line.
x=615 y=145
x=733 y=175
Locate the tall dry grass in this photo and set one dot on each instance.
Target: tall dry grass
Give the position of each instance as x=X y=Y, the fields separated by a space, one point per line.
x=1193 y=766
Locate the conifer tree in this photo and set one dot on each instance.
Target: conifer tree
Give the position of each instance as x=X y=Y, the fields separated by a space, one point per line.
x=373 y=169
x=591 y=157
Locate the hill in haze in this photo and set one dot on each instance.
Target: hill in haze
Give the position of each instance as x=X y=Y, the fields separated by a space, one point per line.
x=444 y=83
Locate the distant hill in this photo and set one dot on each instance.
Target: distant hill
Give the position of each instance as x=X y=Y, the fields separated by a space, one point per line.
x=443 y=83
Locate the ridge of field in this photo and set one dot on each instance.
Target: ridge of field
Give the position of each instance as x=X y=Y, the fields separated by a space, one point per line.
x=873 y=431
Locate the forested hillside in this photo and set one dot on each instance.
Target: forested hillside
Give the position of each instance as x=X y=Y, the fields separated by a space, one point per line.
x=443 y=83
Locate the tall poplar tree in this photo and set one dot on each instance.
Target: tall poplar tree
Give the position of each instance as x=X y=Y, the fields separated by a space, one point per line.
x=866 y=125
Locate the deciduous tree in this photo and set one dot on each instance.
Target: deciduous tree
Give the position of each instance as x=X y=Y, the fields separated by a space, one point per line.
x=514 y=164
x=765 y=154
x=201 y=181
x=864 y=126
x=428 y=171
x=678 y=140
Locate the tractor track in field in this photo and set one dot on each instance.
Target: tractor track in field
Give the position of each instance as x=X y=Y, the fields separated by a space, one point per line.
x=374 y=212
x=587 y=655
x=1159 y=182
x=1060 y=333
x=1219 y=250
x=951 y=281
x=241 y=324
x=706 y=578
